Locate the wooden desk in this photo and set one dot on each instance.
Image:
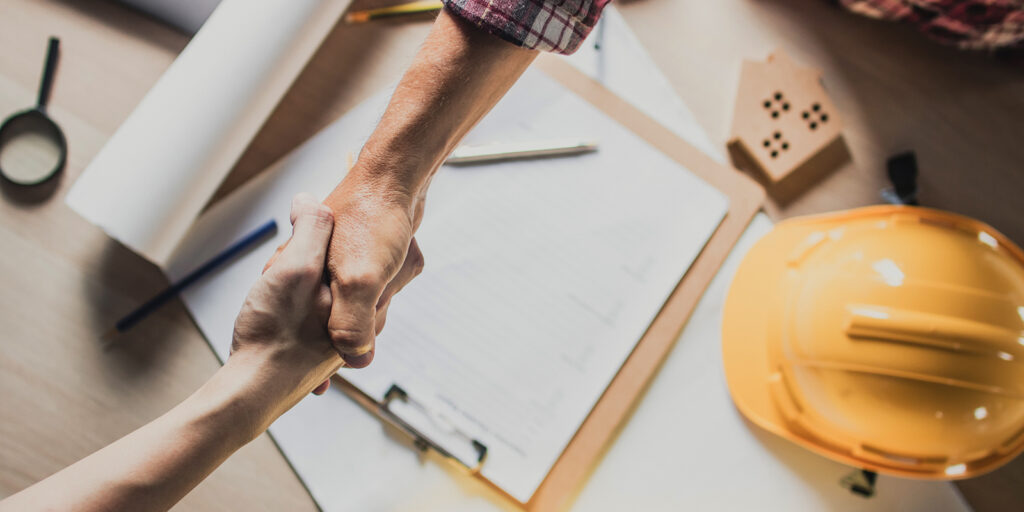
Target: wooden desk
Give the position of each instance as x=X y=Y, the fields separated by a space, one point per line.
x=65 y=282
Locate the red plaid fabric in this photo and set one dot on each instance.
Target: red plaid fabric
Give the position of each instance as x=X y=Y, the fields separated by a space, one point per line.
x=548 y=25
x=993 y=25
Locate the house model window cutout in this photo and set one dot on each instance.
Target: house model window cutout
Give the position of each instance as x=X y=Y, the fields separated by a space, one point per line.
x=784 y=125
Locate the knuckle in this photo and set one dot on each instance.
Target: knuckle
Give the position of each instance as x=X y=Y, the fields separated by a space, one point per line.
x=324 y=211
x=324 y=301
x=355 y=281
x=309 y=271
x=349 y=341
x=256 y=317
x=324 y=215
x=418 y=262
x=320 y=216
x=299 y=275
x=312 y=266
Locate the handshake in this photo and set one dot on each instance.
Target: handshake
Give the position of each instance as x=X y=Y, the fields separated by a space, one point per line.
x=324 y=295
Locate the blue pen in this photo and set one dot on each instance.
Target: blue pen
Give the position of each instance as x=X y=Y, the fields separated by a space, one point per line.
x=267 y=229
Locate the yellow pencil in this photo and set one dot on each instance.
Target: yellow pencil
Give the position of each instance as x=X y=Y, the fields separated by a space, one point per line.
x=395 y=10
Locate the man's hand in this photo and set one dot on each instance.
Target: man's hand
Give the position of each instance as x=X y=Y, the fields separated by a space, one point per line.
x=372 y=256
x=458 y=75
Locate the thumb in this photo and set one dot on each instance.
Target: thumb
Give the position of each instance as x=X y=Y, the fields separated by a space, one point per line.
x=352 y=324
x=306 y=250
x=273 y=258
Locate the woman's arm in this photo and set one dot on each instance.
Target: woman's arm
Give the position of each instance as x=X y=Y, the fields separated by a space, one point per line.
x=280 y=354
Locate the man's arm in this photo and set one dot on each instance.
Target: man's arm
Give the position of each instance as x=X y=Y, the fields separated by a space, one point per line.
x=280 y=354
x=458 y=75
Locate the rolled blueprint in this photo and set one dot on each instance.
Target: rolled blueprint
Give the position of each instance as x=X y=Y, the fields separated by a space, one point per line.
x=150 y=181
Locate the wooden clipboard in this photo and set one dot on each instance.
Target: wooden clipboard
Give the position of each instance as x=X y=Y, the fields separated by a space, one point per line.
x=745 y=196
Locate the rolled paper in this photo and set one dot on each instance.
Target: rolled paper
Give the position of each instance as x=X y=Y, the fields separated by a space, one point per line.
x=153 y=177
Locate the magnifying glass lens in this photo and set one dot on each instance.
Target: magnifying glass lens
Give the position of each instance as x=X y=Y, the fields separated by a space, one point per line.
x=32 y=148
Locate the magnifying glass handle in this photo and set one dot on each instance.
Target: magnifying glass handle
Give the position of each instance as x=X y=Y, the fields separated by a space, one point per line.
x=48 y=69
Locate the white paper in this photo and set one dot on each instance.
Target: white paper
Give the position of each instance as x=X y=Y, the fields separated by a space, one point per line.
x=624 y=67
x=152 y=178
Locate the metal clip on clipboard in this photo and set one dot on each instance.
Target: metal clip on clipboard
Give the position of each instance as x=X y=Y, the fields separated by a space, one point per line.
x=422 y=441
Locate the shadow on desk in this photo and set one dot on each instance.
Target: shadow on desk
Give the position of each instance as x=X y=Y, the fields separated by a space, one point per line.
x=818 y=168
x=133 y=354
x=127 y=20
x=33 y=195
x=811 y=467
x=956 y=109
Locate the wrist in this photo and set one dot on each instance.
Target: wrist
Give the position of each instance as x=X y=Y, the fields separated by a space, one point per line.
x=254 y=388
x=225 y=408
x=396 y=168
x=372 y=193
x=277 y=378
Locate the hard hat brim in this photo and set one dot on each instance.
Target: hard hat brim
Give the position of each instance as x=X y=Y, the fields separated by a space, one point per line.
x=752 y=301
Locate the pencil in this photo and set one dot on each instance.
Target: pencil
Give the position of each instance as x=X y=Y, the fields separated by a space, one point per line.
x=421 y=6
x=129 y=320
x=464 y=155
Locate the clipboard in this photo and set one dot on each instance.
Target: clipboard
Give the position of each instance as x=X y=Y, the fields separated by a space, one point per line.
x=606 y=418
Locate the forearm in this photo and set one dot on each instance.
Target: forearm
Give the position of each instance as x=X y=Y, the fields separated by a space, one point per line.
x=155 y=466
x=458 y=75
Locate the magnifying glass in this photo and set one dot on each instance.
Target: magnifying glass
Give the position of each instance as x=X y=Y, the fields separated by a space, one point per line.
x=32 y=147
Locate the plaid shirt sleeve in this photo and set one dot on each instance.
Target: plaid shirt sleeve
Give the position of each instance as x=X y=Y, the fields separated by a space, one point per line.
x=993 y=25
x=549 y=25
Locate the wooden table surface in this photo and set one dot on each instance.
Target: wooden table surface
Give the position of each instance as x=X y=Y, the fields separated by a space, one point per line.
x=65 y=282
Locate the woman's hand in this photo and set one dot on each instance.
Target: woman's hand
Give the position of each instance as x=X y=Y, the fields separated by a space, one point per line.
x=282 y=325
x=280 y=353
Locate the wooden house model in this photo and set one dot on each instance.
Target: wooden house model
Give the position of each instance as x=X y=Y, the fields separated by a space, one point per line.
x=784 y=125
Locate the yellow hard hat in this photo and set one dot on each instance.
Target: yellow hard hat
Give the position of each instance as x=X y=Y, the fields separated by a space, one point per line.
x=889 y=338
